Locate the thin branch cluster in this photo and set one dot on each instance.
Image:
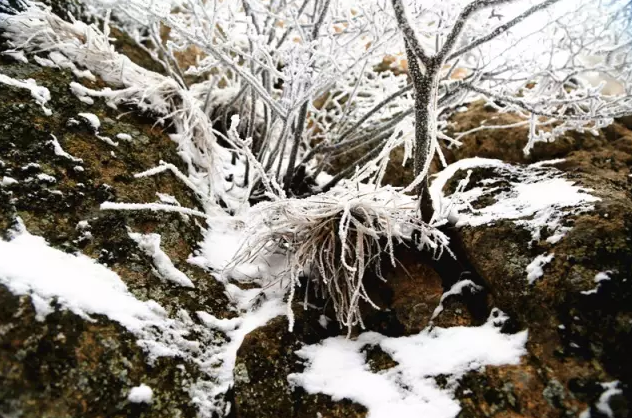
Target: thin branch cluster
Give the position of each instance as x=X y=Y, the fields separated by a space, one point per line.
x=333 y=239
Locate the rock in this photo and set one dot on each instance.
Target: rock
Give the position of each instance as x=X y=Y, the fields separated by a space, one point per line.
x=67 y=367
x=264 y=361
x=407 y=300
x=416 y=290
x=607 y=155
x=64 y=365
x=579 y=330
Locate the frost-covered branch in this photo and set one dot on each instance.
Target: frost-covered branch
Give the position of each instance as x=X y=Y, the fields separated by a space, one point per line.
x=332 y=240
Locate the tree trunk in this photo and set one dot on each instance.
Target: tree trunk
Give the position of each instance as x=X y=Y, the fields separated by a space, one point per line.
x=425 y=134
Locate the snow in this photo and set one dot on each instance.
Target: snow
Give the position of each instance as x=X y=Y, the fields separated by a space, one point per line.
x=603 y=405
x=61 y=61
x=124 y=137
x=108 y=141
x=95 y=123
x=171 y=200
x=92 y=119
x=539 y=197
x=534 y=269
x=456 y=289
x=60 y=151
x=252 y=316
x=151 y=206
x=167 y=198
x=599 y=277
x=323 y=320
x=76 y=282
x=547 y=162
x=79 y=284
x=337 y=367
x=39 y=93
x=611 y=389
x=30 y=165
x=140 y=394
x=46 y=178
x=44 y=62
x=165 y=270
x=81 y=93
x=17 y=55
x=223 y=240
x=7 y=181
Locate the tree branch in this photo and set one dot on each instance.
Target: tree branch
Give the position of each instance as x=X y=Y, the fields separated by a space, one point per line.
x=409 y=32
x=501 y=29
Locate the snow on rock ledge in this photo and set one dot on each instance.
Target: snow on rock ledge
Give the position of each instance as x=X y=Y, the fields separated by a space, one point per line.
x=535 y=197
x=337 y=367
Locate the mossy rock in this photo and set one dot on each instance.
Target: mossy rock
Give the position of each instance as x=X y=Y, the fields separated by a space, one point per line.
x=65 y=366
x=264 y=361
x=576 y=333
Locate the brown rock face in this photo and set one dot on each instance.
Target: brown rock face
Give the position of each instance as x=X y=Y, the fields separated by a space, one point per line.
x=578 y=330
x=264 y=361
x=65 y=366
x=608 y=155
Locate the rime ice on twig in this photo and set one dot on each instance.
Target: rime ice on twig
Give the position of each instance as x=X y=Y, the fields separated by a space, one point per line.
x=334 y=238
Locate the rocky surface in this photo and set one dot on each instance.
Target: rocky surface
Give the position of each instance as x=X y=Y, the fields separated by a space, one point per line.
x=580 y=332
x=65 y=366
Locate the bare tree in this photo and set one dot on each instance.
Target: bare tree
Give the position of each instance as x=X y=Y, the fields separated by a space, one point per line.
x=306 y=79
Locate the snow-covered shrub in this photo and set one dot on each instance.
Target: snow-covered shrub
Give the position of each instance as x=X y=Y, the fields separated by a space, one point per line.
x=333 y=239
x=307 y=78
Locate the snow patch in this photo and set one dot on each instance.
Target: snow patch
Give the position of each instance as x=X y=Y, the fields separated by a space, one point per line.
x=599 y=277
x=108 y=141
x=44 y=62
x=255 y=306
x=46 y=178
x=165 y=270
x=337 y=367
x=81 y=93
x=611 y=389
x=76 y=282
x=534 y=197
x=17 y=55
x=62 y=62
x=603 y=404
x=7 y=181
x=29 y=166
x=92 y=119
x=60 y=151
x=534 y=269
x=95 y=123
x=79 y=284
x=140 y=394
x=456 y=289
x=39 y=93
